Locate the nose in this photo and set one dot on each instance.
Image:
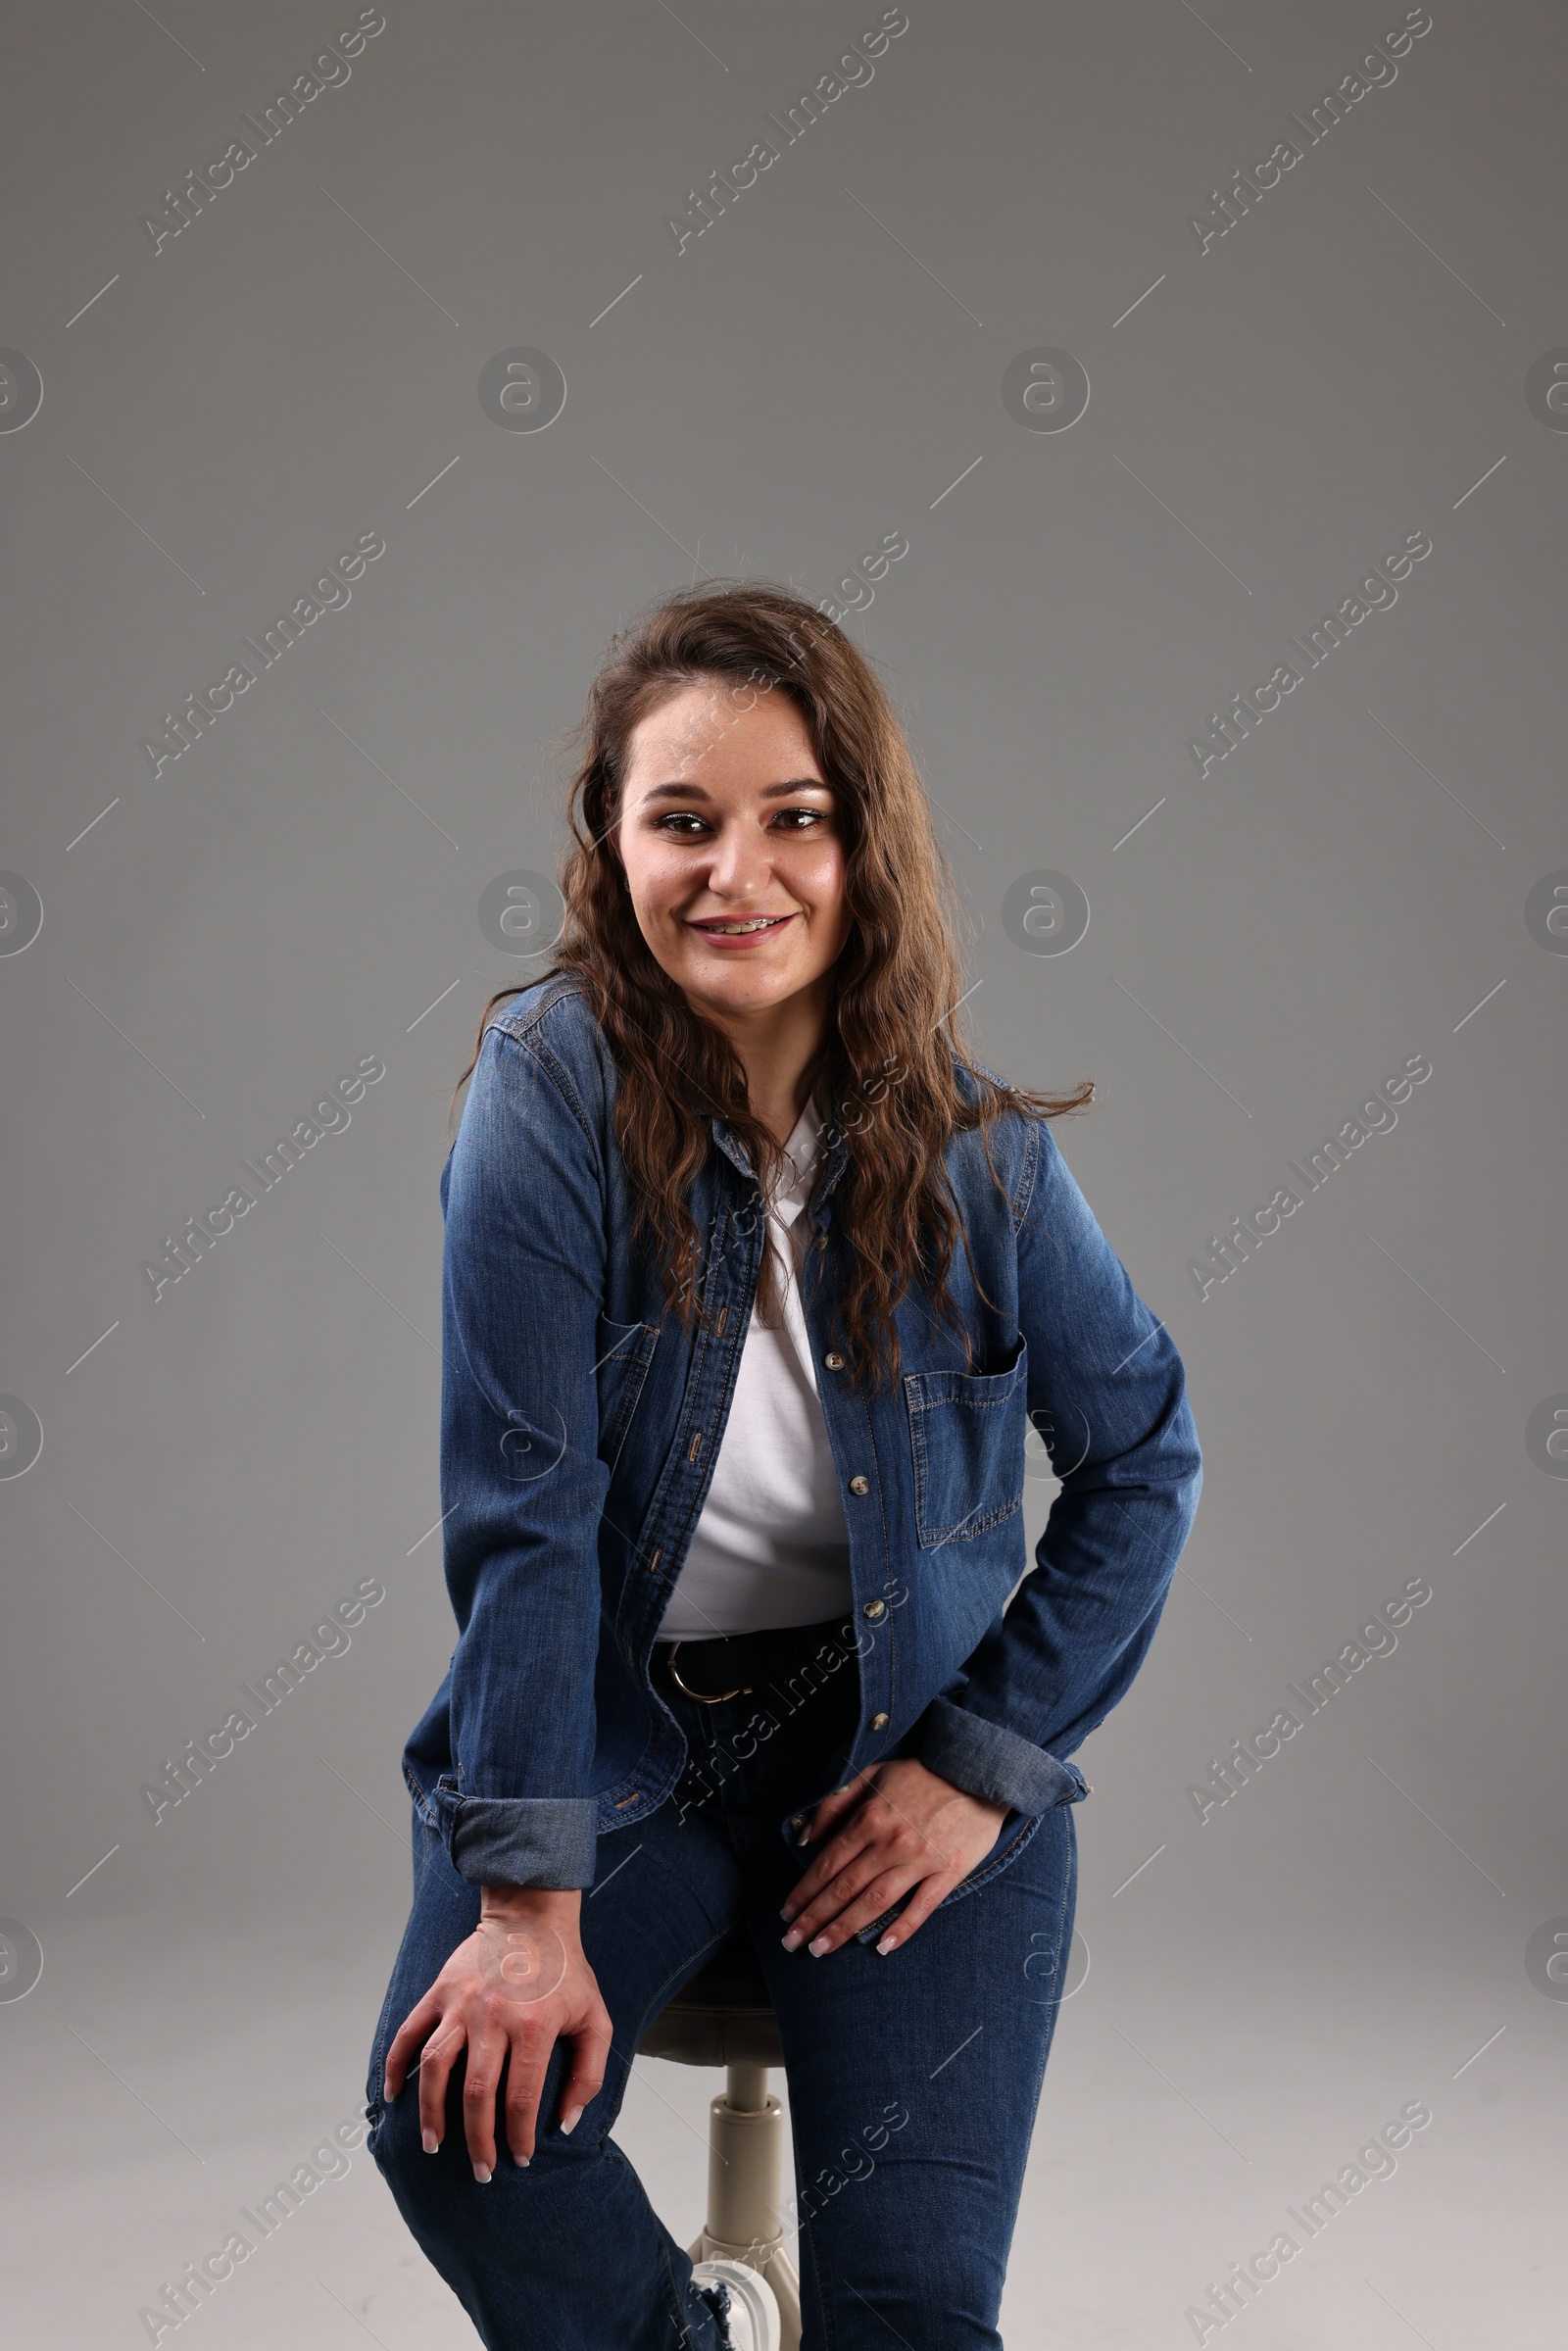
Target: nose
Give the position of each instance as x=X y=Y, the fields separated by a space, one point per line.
x=739 y=865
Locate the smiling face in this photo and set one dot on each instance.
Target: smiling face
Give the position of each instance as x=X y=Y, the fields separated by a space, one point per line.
x=732 y=851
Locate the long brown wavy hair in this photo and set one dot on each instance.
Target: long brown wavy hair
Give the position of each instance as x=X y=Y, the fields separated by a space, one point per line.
x=898 y=1073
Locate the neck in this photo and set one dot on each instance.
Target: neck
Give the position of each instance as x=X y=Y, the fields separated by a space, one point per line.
x=778 y=1047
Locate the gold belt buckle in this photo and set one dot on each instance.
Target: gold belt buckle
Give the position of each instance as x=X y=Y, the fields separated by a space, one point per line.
x=702 y=1696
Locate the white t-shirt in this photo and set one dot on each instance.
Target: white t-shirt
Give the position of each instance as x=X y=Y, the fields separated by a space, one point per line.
x=771 y=1547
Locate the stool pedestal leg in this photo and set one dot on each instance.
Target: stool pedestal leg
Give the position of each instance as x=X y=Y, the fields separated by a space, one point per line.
x=744 y=2164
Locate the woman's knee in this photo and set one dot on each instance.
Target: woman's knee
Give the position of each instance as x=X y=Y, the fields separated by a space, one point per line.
x=396 y=2138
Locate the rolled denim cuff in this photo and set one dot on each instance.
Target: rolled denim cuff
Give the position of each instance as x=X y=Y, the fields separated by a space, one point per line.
x=994 y=1764
x=520 y=1841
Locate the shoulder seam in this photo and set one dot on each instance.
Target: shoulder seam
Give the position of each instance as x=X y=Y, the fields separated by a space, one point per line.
x=526 y=1038
x=1026 y=1182
x=553 y=992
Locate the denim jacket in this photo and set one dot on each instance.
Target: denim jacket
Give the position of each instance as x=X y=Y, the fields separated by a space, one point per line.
x=580 y=1424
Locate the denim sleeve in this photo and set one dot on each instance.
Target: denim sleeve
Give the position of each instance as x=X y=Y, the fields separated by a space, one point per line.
x=1107 y=1394
x=522 y=1483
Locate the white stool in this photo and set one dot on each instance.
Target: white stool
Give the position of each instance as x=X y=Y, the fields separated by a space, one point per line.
x=726 y=2017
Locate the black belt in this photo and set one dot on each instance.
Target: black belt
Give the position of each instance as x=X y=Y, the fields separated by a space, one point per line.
x=744 y=1658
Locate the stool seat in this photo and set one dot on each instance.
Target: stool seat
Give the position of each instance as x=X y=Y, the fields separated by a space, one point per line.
x=723 y=2017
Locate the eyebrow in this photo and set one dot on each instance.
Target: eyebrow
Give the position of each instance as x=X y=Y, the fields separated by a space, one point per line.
x=803 y=783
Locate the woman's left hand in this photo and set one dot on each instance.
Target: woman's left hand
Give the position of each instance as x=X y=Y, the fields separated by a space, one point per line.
x=899 y=1824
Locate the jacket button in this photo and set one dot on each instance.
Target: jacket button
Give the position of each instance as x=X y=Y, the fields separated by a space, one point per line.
x=874 y=1609
x=834 y=1363
x=797 y=1820
x=879 y=1722
x=860 y=1486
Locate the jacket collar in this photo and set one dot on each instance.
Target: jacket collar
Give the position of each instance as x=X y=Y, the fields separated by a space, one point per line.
x=836 y=1158
x=733 y=1150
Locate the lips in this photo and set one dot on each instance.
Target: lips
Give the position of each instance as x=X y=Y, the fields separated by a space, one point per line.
x=748 y=926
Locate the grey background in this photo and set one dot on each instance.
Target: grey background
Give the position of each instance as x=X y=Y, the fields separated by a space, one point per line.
x=302 y=887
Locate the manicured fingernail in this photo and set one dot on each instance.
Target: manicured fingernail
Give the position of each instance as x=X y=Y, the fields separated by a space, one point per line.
x=482 y=2173
x=431 y=2143
x=787 y=1913
x=569 y=2119
x=889 y=1942
x=793 y=1940
x=820 y=1948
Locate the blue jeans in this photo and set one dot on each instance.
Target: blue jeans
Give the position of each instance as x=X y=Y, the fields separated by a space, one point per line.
x=914 y=2079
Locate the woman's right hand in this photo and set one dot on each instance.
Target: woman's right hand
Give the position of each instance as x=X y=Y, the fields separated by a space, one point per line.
x=518 y=1983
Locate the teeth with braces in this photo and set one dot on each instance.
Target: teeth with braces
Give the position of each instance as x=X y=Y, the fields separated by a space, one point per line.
x=730 y=930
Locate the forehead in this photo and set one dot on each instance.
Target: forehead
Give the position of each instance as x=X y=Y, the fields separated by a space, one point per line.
x=721 y=732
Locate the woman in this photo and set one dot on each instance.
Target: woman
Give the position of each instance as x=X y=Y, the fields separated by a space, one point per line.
x=754 y=1279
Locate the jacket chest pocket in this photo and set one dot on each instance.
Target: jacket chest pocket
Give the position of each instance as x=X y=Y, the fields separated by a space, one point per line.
x=625 y=1352
x=966 y=1440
